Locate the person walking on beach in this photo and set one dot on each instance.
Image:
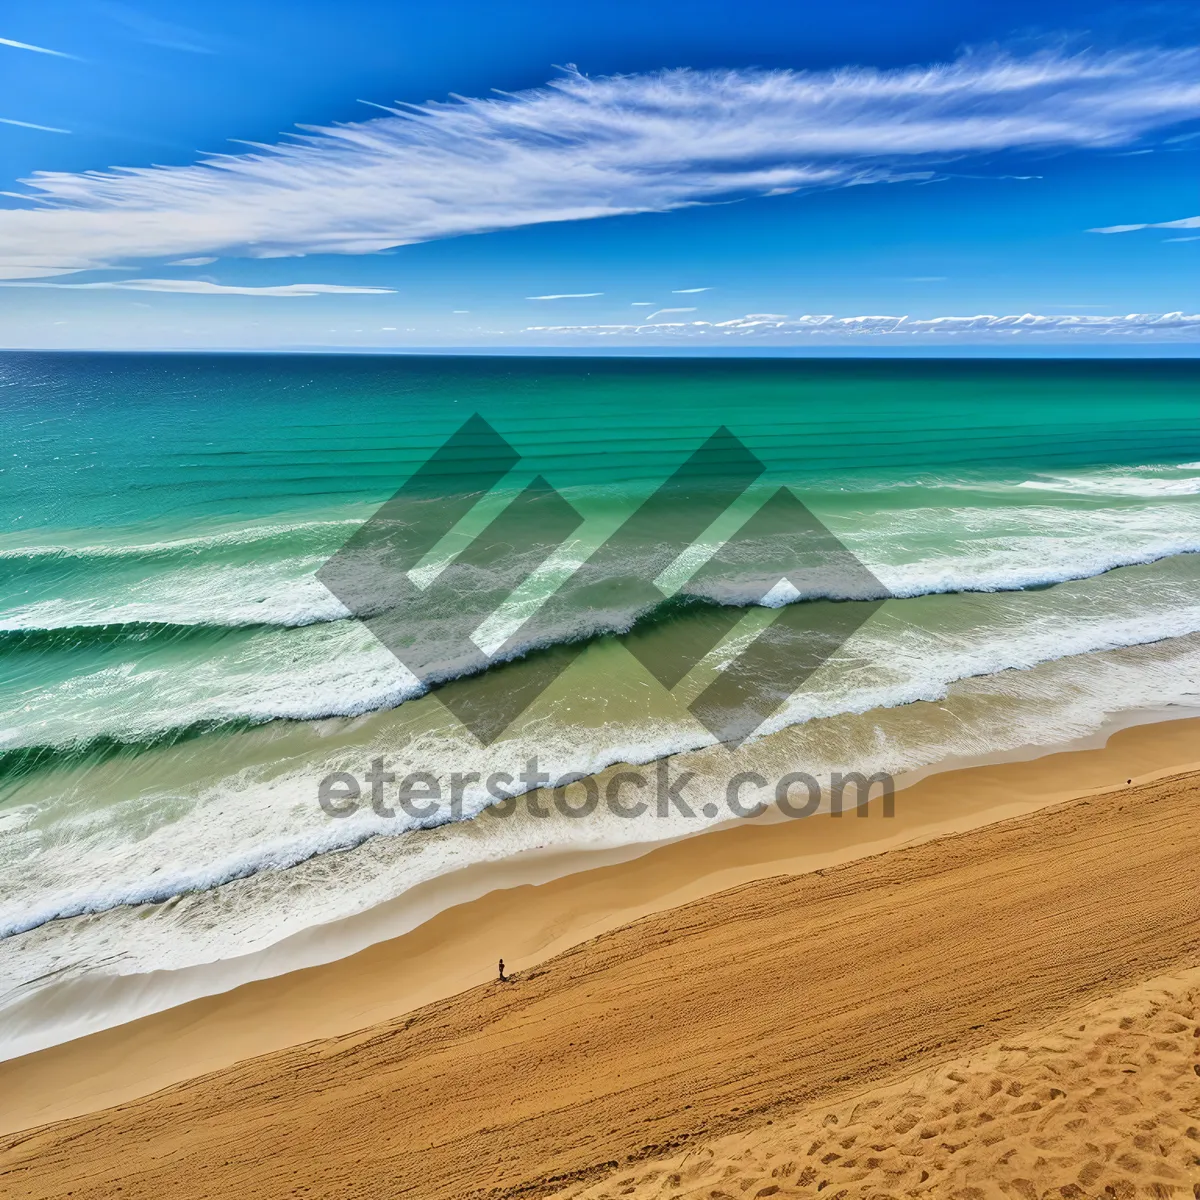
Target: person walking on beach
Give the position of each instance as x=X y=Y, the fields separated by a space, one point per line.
x=502 y=978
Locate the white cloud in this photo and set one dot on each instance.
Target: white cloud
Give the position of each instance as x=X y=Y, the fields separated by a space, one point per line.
x=688 y=291
x=23 y=271
x=642 y=304
x=660 y=312
x=202 y=287
x=566 y=296
x=35 y=49
x=826 y=327
x=32 y=125
x=191 y=262
x=155 y=32
x=1186 y=223
x=582 y=148
x=589 y=148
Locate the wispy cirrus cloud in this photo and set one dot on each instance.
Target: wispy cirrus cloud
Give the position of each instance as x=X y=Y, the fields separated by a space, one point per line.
x=35 y=49
x=1185 y=223
x=829 y=328
x=661 y=311
x=156 y=32
x=31 y=125
x=566 y=296
x=688 y=291
x=584 y=148
x=204 y=287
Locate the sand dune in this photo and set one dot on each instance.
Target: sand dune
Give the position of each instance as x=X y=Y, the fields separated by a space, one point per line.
x=782 y=996
x=1102 y=1103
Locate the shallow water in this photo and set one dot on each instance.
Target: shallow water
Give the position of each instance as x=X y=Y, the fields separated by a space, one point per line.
x=175 y=681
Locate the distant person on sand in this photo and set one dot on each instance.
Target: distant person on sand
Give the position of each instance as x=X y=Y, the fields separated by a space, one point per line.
x=502 y=978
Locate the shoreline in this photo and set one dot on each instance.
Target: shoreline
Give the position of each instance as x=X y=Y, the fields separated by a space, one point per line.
x=77 y=1008
x=527 y=921
x=761 y=1004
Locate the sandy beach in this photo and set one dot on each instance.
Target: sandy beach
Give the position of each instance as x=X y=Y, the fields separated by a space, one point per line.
x=755 y=974
x=1104 y=1098
x=599 y=602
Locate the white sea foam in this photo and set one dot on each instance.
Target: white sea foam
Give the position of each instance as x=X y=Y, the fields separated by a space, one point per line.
x=912 y=551
x=131 y=545
x=303 y=674
x=1051 y=704
x=1116 y=484
x=336 y=667
x=262 y=820
x=222 y=595
x=244 y=850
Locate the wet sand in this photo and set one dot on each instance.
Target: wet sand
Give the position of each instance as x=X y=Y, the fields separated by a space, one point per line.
x=526 y=924
x=782 y=966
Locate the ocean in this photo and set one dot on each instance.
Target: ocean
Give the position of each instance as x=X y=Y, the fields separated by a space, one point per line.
x=176 y=681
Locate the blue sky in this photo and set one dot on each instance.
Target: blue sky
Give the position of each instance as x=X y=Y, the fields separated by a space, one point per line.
x=700 y=176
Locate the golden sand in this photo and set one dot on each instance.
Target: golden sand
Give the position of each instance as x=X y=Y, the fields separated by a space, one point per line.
x=1104 y=1102
x=528 y=924
x=775 y=1001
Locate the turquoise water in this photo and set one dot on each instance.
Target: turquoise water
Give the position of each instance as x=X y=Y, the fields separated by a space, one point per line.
x=174 y=679
x=104 y=441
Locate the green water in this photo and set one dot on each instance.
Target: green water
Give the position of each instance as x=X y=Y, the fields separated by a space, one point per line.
x=175 y=679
